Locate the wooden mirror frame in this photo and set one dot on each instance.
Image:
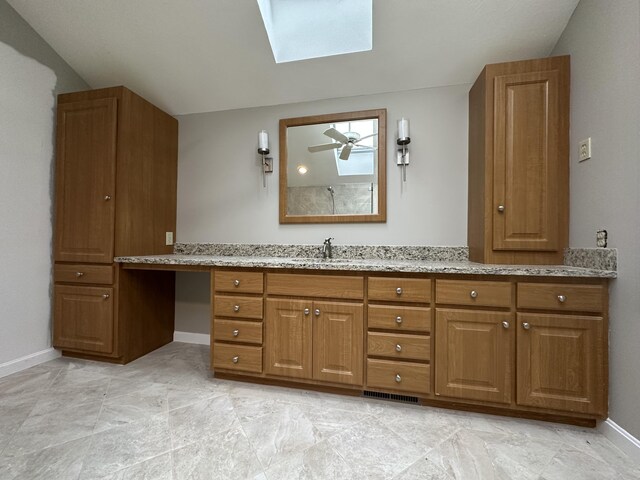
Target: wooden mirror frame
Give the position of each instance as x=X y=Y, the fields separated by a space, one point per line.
x=381 y=216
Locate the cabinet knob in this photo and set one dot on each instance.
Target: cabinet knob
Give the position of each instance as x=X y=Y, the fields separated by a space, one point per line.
x=562 y=298
x=107 y=198
x=501 y=208
x=399 y=320
x=236 y=332
x=316 y=312
x=473 y=294
x=398 y=378
x=306 y=311
x=526 y=325
x=399 y=291
x=79 y=274
x=105 y=296
x=398 y=348
x=235 y=359
x=505 y=324
x=236 y=283
x=236 y=308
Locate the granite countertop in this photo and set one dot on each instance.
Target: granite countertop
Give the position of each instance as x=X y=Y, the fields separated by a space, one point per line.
x=443 y=260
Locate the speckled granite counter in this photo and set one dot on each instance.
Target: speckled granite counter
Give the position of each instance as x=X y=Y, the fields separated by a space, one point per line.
x=435 y=260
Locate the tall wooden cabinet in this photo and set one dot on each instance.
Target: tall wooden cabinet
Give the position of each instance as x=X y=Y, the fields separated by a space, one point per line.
x=519 y=162
x=116 y=178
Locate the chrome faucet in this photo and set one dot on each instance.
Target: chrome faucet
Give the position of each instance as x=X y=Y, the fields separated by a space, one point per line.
x=326 y=248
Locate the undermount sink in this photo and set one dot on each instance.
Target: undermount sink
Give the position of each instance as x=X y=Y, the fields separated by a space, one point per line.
x=320 y=260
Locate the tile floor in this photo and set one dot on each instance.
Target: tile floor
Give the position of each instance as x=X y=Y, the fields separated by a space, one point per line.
x=164 y=417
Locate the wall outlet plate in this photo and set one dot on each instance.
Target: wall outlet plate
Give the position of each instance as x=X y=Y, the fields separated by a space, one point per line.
x=584 y=152
x=601 y=238
x=168 y=238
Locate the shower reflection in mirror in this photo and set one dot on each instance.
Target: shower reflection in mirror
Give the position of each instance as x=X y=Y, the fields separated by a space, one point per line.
x=350 y=198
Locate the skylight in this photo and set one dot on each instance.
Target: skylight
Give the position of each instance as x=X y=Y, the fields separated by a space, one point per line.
x=303 y=29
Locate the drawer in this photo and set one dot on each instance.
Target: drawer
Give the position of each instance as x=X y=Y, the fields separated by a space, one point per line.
x=399 y=345
x=400 y=289
x=237 y=357
x=558 y=296
x=404 y=376
x=240 y=307
x=473 y=292
x=102 y=274
x=324 y=286
x=237 y=331
x=399 y=318
x=241 y=282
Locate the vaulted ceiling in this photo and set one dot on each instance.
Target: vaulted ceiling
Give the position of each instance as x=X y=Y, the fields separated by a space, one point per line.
x=191 y=56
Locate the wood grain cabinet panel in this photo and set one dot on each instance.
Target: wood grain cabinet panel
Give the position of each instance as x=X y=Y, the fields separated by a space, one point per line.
x=474 y=354
x=238 y=282
x=82 y=273
x=322 y=286
x=237 y=331
x=398 y=376
x=415 y=290
x=289 y=338
x=561 y=363
x=337 y=342
x=237 y=307
x=399 y=346
x=237 y=357
x=400 y=318
x=559 y=296
x=479 y=293
x=86 y=179
x=84 y=318
x=519 y=162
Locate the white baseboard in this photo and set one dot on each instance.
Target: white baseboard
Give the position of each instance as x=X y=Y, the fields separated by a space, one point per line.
x=28 y=361
x=621 y=438
x=188 y=337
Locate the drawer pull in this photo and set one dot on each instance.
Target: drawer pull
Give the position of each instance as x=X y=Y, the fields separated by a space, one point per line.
x=79 y=274
x=562 y=298
x=501 y=208
x=473 y=294
x=399 y=320
x=236 y=308
x=105 y=296
x=107 y=198
x=505 y=324
x=526 y=325
x=235 y=359
x=398 y=348
x=398 y=378
x=307 y=311
x=236 y=283
x=317 y=312
x=236 y=333
x=399 y=291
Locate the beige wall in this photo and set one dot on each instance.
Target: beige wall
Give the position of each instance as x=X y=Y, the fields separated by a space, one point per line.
x=603 y=39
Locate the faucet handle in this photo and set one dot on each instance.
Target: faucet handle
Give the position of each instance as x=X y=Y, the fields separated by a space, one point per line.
x=328 y=240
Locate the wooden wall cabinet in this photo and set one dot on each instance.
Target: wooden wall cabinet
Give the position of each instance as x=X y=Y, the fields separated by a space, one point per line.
x=519 y=162
x=116 y=179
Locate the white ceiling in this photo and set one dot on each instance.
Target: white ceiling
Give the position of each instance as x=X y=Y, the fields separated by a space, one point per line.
x=190 y=56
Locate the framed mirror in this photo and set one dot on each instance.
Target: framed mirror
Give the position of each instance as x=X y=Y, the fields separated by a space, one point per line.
x=333 y=168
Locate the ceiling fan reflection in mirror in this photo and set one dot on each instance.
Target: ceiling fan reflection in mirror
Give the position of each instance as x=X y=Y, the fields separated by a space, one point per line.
x=347 y=141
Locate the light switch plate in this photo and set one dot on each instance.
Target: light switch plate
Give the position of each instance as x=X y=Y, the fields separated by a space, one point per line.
x=584 y=151
x=168 y=238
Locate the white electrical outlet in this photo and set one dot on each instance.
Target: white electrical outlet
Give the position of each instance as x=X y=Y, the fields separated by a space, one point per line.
x=584 y=151
x=168 y=238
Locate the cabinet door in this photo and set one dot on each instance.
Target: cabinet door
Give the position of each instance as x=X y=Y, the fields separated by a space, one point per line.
x=561 y=362
x=85 y=181
x=474 y=354
x=526 y=145
x=288 y=345
x=338 y=342
x=83 y=318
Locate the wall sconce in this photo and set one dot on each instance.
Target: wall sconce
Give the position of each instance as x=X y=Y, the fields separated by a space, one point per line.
x=263 y=149
x=402 y=156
